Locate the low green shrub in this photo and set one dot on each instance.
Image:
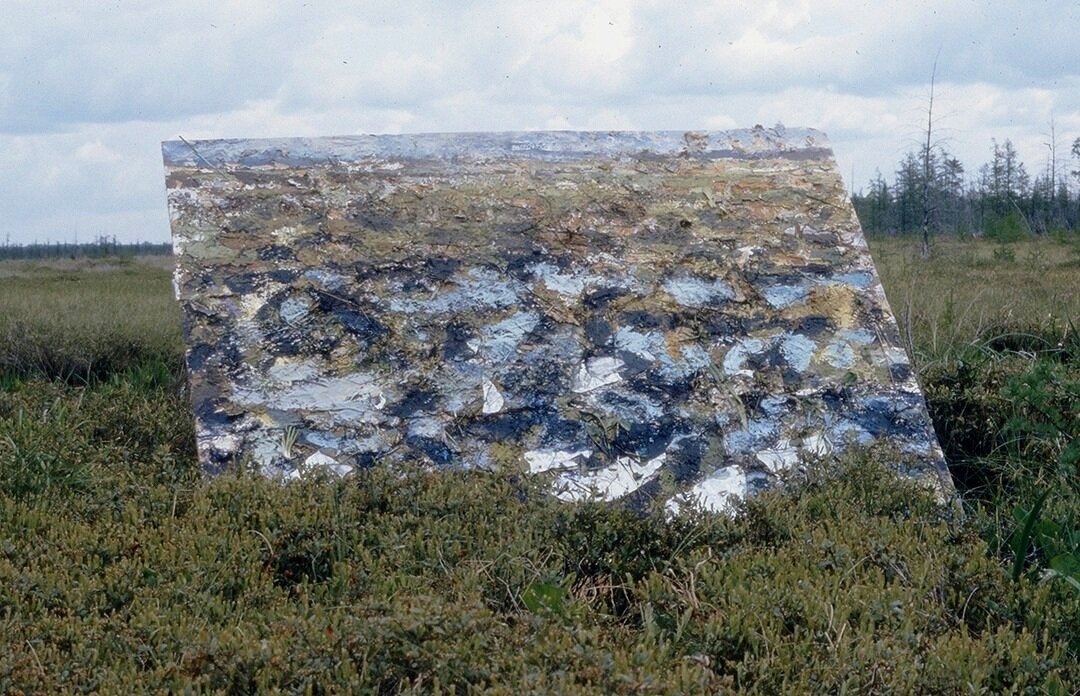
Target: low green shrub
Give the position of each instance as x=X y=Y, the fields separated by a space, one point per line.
x=134 y=572
x=122 y=569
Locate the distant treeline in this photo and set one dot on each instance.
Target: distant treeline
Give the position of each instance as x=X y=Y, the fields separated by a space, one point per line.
x=1002 y=201
x=100 y=248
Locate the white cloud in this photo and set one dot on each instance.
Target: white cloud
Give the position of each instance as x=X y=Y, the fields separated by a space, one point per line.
x=95 y=152
x=573 y=51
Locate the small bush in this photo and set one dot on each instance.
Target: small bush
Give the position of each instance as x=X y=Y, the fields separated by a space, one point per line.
x=1004 y=254
x=1007 y=228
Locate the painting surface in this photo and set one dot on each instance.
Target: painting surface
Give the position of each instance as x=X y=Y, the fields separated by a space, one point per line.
x=659 y=316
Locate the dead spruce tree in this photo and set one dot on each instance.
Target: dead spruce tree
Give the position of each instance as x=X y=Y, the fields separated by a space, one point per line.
x=928 y=168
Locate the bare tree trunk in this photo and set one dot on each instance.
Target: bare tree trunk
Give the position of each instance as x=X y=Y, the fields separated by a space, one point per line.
x=1053 y=159
x=1052 y=218
x=926 y=168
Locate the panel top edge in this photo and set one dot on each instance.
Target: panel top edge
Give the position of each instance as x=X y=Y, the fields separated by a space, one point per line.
x=745 y=143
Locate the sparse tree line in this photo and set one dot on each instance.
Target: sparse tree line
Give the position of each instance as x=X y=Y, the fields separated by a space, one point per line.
x=1001 y=201
x=101 y=247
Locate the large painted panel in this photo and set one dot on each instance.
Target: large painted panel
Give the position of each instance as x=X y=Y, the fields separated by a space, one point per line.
x=639 y=316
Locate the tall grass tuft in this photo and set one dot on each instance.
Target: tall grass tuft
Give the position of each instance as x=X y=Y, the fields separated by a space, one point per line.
x=82 y=325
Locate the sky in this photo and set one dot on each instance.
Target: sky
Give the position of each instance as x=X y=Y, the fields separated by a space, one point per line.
x=89 y=89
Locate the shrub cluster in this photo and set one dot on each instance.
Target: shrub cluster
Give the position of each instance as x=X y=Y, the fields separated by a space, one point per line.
x=122 y=568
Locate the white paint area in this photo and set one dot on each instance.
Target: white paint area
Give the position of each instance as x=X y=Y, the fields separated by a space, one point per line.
x=493 y=400
x=226 y=444
x=775 y=405
x=460 y=387
x=921 y=448
x=652 y=346
x=623 y=477
x=779 y=458
x=860 y=280
x=715 y=494
x=327 y=279
x=546 y=460
x=289 y=370
x=266 y=448
x=895 y=355
x=694 y=358
x=816 y=444
x=744 y=253
x=596 y=373
x=840 y=352
x=862 y=337
x=317 y=461
x=321 y=439
x=345 y=400
x=251 y=302
x=285 y=235
x=628 y=406
x=376 y=442
x=568 y=285
x=178 y=200
x=786 y=454
x=426 y=427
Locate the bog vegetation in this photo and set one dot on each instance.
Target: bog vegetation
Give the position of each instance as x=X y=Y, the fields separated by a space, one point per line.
x=122 y=569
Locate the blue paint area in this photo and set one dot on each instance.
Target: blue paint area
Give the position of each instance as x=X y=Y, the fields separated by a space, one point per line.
x=781 y=296
x=776 y=405
x=322 y=439
x=695 y=292
x=862 y=337
x=798 y=351
x=839 y=355
x=859 y=279
x=325 y=279
x=461 y=148
x=758 y=434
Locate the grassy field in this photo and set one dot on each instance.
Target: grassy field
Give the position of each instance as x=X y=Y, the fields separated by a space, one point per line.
x=123 y=570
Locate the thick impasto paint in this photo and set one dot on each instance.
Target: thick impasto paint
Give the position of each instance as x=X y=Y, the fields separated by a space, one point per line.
x=640 y=316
